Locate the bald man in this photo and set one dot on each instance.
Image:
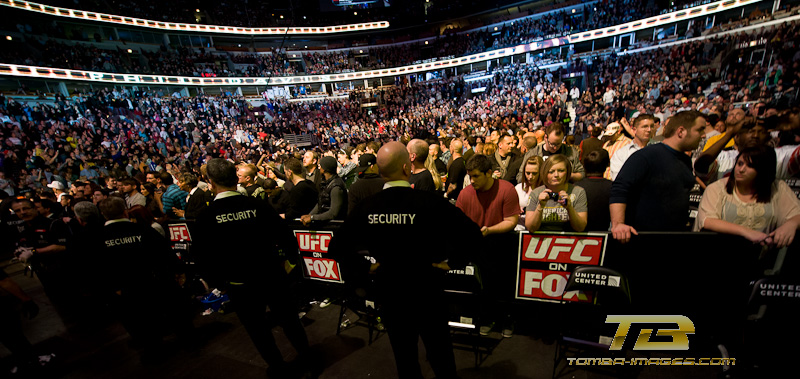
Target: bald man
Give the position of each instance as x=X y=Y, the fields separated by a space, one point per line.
x=392 y=227
x=456 y=171
x=421 y=178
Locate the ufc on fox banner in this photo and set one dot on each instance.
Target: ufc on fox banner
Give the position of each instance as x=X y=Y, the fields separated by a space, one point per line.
x=317 y=265
x=546 y=260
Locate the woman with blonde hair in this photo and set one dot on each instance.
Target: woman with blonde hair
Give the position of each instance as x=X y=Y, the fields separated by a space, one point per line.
x=557 y=205
x=431 y=166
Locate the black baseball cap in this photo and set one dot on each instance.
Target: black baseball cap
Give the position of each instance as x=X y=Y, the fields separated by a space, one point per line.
x=365 y=161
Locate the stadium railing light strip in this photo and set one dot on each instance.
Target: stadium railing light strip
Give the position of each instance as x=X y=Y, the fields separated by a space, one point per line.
x=130 y=79
x=183 y=27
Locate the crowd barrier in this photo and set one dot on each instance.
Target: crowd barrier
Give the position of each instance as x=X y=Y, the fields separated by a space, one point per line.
x=710 y=278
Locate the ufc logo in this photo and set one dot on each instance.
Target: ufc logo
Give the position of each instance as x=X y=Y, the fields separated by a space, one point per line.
x=680 y=336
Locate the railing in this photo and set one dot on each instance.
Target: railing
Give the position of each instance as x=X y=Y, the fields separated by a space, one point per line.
x=299 y=140
x=66 y=74
x=183 y=27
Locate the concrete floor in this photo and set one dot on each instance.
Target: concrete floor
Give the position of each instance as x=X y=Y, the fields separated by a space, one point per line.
x=99 y=349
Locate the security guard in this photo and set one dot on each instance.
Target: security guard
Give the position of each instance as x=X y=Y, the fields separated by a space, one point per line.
x=136 y=268
x=41 y=241
x=394 y=227
x=240 y=243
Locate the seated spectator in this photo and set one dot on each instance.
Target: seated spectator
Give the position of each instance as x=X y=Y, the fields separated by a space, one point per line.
x=751 y=203
x=557 y=205
x=490 y=203
x=598 y=190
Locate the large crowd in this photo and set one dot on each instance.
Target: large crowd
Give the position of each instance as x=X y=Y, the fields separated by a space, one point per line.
x=186 y=62
x=520 y=150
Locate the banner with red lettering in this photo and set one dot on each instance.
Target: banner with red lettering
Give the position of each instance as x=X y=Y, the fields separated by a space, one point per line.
x=179 y=233
x=317 y=265
x=546 y=260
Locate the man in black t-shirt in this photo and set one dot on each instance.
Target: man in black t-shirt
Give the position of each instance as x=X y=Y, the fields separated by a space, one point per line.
x=303 y=196
x=242 y=244
x=420 y=178
x=368 y=183
x=598 y=190
x=457 y=170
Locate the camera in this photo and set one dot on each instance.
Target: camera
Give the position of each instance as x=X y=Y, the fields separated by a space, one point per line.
x=554 y=196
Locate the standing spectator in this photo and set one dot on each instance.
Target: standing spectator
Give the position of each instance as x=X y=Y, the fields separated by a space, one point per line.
x=173 y=198
x=598 y=190
x=332 y=202
x=643 y=129
x=153 y=200
x=717 y=161
x=557 y=205
x=507 y=160
x=652 y=190
x=593 y=142
x=554 y=144
x=457 y=170
x=303 y=197
x=344 y=156
x=751 y=203
x=247 y=175
x=532 y=180
x=311 y=164
x=421 y=178
x=491 y=203
x=277 y=197
x=196 y=201
x=57 y=187
x=130 y=189
x=142 y=216
x=368 y=183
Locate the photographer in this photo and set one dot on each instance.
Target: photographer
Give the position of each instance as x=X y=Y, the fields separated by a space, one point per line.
x=557 y=205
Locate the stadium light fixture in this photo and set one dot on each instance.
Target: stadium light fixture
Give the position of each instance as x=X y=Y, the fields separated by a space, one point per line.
x=130 y=51
x=9 y=38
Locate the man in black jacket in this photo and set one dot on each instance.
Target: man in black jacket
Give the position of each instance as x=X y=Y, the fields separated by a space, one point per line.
x=198 y=199
x=368 y=183
x=408 y=274
x=250 y=268
x=136 y=269
x=507 y=160
x=332 y=202
x=303 y=196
